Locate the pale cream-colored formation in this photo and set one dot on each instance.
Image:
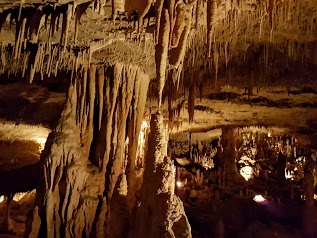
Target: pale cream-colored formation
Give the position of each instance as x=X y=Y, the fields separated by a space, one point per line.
x=161 y=212
x=98 y=69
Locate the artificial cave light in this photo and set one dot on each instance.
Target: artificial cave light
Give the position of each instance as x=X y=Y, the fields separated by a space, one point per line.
x=127 y=141
x=303 y=197
x=179 y=184
x=289 y=174
x=144 y=125
x=19 y=196
x=259 y=198
x=246 y=172
x=142 y=138
x=41 y=141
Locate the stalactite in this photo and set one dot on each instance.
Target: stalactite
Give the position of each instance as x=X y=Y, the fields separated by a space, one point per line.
x=211 y=11
x=176 y=55
x=35 y=24
x=161 y=52
x=191 y=102
x=80 y=10
x=3 y=17
x=159 y=11
x=180 y=23
x=65 y=26
x=34 y=65
x=101 y=81
x=171 y=7
x=52 y=27
x=91 y=102
x=124 y=104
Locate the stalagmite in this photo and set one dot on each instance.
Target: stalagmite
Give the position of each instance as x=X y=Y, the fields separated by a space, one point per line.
x=161 y=213
x=125 y=93
x=230 y=168
x=136 y=117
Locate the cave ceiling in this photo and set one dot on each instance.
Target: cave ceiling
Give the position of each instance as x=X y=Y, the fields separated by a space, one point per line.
x=238 y=62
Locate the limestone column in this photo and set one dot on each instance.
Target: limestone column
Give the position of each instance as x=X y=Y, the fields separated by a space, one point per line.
x=228 y=156
x=161 y=213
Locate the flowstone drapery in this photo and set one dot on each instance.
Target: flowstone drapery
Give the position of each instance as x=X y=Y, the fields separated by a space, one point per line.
x=84 y=154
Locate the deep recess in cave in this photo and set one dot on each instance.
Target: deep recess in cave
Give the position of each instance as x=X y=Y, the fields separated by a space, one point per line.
x=158 y=118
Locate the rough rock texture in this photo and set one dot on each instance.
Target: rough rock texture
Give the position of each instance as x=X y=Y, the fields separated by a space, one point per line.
x=229 y=163
x=82 y=159
x=161 y=212
x=198 y=43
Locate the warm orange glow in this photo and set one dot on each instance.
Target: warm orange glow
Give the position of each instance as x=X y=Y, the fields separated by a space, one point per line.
x=41 y=141
x=179 y=184
x=18 y=196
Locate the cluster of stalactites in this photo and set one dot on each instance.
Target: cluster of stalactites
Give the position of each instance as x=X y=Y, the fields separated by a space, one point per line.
x=173 y=25
x=220 y=30
x=45 y=59
x=173 y=21
x=30 y=19
x=225 y=27
x=101 y=102
x=30 y=56
x=108 y=94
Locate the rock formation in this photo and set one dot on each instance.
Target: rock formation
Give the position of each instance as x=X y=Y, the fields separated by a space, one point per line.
x=79 y=181
x=111 y=64
x=160 y=212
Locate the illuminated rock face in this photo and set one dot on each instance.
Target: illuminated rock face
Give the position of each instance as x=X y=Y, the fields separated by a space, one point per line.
x=186 y=46
x=161 y=212
x=83 y=158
